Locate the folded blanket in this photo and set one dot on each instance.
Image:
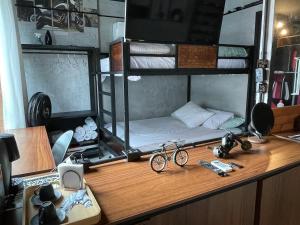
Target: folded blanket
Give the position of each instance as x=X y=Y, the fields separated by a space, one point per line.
x=232 y=52
x=150 y=48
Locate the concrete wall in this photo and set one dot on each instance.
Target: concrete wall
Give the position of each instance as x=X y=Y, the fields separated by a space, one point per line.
x=227 y=92
x=109 y=8
x=64 y=79
x=239 y=27
x=150 y=97
x=223 y=92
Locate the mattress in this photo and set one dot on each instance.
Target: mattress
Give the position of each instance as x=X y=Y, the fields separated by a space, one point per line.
x=148 y=62
x=147 y=135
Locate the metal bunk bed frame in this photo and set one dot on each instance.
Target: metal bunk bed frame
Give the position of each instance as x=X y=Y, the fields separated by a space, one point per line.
x=133 y=154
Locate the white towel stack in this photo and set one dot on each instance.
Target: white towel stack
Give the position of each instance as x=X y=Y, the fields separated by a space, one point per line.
x=86 y=132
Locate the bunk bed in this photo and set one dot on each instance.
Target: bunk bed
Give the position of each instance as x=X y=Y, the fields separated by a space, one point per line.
x=128 y=58
x=177 y=40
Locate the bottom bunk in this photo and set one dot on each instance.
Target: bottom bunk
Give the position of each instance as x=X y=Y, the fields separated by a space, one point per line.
x=147 y=135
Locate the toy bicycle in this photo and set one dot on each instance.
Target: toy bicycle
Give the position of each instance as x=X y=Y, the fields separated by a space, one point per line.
x=158 y=160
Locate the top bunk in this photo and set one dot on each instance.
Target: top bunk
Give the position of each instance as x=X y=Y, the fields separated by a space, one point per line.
x=136 y=58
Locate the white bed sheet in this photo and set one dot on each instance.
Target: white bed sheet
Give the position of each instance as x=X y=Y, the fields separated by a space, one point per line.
x=147 y=135
x=232 y=63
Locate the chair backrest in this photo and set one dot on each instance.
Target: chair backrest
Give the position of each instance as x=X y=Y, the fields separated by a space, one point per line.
x=61 y=146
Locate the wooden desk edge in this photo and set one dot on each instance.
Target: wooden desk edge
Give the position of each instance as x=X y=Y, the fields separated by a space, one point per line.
x=145 y=215
x=142 y=215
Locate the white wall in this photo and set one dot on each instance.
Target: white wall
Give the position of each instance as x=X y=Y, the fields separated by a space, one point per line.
x=109 y=8
x=239 y=27
x=229 y=92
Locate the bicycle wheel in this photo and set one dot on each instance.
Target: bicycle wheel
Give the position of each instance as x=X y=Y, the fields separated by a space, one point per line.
x=158 y=162
x=181 y=157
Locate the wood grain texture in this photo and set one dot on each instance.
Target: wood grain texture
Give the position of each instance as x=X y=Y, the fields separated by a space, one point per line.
x=116 y=57
x=127 y=191
x=35 y=151
x=285 y=135
x=281 y=199
x=197 y=56
x=235 y=207
x=284 y=118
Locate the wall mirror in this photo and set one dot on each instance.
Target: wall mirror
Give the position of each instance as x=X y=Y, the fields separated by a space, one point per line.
x=285 y=65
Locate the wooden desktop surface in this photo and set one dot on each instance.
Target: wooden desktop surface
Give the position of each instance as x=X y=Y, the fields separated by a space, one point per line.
x=35 y=151
x=126 y=191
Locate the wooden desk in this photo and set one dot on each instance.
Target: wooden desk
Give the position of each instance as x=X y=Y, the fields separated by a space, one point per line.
x=35 y=151
x=286 y=134
x=128 y=191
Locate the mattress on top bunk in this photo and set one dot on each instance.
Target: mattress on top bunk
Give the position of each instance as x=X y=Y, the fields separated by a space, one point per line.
x=151 y=48
x=147 y=135
x=158 y=49
x=149 y=62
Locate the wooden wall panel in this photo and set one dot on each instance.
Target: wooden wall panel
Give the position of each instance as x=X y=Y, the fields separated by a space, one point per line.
x=284 y=118
x=280 y=201
x=235 y=207
x=197 y=56
x=117 y=57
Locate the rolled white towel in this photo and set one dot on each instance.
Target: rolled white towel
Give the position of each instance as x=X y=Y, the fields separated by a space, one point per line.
x=93 y=126
x=80 y=130
x=78 y=137
x=86 y=128
x=89 y=120
x=91 y=123
x=87 y=137
x=89 y=132
x=94 y=135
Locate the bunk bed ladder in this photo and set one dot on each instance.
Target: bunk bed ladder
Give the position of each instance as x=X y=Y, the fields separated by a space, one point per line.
x=102 y=110
x=132 y=154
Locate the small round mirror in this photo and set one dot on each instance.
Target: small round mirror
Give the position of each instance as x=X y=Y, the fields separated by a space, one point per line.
x=262 y=122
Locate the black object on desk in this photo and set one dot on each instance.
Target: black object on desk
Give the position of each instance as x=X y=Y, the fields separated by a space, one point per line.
x=262 y=122
x=8 y=153
x=212 y=168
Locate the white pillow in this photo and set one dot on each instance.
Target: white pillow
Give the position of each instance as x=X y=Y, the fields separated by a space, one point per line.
x=218 y=119
x=192 y=115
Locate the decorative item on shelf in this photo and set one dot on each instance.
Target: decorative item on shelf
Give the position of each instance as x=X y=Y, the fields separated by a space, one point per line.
x=38 y=37
x=229 y=141
x=158 y=160
x=262 y=122
x=280 y=104
x=48 y=38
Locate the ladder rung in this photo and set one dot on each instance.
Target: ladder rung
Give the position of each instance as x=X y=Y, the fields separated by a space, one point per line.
x=106 y=112
x=108 y=73
x=105 y=93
